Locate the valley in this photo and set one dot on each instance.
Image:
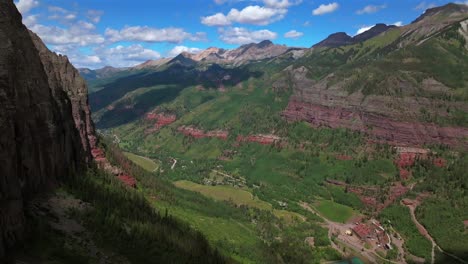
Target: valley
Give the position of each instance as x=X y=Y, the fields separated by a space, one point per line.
x=307 y=141
x=353 y=149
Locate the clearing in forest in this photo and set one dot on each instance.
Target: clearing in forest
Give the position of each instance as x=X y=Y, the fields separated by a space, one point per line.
x=334 y=211
x=144 y=162
x=236 y=195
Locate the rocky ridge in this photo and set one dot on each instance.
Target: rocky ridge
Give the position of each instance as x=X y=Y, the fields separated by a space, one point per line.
x=342 y=39
x=47 y=132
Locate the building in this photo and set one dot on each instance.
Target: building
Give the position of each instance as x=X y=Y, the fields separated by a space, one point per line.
x=362 y=231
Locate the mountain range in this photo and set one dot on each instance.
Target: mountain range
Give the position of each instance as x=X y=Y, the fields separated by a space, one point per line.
x=354 y=148
x=364 y=121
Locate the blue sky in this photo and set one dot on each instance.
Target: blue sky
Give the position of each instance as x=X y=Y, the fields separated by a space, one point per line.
x=95 y=33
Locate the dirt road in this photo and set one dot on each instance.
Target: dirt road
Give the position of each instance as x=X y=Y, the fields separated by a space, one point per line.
x=426 y=234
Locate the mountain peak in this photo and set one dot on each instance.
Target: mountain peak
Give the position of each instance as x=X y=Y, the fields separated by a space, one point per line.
x=372 y=32
x=184 y=59
x=449 y=10
x=264 y=44
x=335 y=40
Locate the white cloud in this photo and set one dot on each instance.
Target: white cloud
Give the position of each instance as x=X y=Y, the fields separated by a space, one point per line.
x=80 y=33
x=93 y=59
x=425 y=5
x=62 y=15
x=149 y=34
x=462 y=2
x=57 y=9
x=398 y=23
x=293 y=34
x=135 y=52
x=24 y=6
x=30 y=20
x=255 y=15
x=324 y=9
x=179 y=49
x=281 y=4
x=364 y=29
x=238 y=35
x=370 y=9
x=217 y=20
x=118 y=56
x=94 y=15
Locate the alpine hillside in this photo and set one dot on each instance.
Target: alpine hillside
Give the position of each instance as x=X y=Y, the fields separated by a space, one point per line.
x=354 y=147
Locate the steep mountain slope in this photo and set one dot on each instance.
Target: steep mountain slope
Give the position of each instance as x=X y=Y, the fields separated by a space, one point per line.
x=45 y=121
x=406 y=86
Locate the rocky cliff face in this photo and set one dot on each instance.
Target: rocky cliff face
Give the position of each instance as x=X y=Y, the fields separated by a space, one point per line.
x=388 y=119
x=44 y=118
x=63 y=77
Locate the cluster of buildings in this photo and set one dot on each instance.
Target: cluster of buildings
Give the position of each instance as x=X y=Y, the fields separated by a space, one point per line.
x=370 y=232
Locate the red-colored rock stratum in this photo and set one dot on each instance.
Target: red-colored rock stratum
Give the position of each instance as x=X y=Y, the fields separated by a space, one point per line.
x=262 y=139
x=104 y=164
x=162 y=119
x=198 y=133
x=384 y=118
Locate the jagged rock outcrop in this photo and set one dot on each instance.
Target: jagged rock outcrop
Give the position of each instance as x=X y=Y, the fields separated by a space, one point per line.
x=62 y=76
x=44 y=119
x=242 y=55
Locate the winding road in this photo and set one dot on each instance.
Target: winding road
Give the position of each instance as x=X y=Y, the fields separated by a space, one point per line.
x=426 y=234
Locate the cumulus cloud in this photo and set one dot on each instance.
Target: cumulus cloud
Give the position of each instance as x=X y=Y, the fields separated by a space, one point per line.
x=398 y=23
x=24 y=6
x=179 y=49
x=93 y=59
x=80 y=33
x=132 y=53
x=281 y=4
x=425 y=5
x=149 y=34
x=238 y=35
x=325 y=9
x=118 y=56
x=370 y=9
x=94 y=15
x=217 y=20
x=30 y=20
x=293 y=34
x=255 y=15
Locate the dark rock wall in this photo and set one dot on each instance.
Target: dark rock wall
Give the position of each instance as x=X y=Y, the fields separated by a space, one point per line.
x=44 y=122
